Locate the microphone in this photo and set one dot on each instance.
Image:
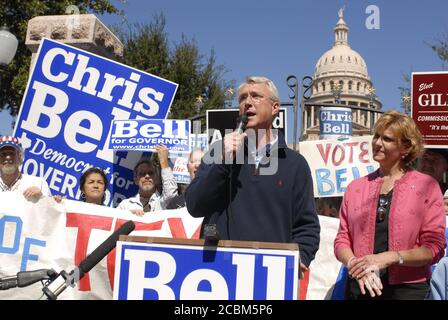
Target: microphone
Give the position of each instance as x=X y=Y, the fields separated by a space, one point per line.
x=241 y=123
x=26 y=278
x=53 y=289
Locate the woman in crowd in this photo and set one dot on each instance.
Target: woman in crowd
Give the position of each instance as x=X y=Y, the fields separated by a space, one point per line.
x=392 y=222
x=93 y=185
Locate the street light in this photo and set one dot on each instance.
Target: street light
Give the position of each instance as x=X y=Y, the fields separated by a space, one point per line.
x=8 y=47
x=337 y=90
x=229 y=96
x=406 y=104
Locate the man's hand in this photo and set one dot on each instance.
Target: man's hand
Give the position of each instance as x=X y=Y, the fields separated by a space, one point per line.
x=58 y=198
x=32 y=192
x=163 y=153
x=138 y=212
x=302 y=269
x=232 y=144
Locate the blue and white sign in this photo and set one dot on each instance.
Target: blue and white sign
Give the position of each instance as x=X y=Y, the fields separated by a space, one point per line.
x=180 y=170
x=148 y=271
x=67 y=111
x=145 y=135
x=335 y=122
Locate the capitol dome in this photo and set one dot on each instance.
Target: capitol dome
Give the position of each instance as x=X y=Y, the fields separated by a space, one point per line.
x=341 y=59
x=341 y=79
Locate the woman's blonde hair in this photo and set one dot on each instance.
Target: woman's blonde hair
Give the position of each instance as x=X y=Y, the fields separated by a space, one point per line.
x=405 y=130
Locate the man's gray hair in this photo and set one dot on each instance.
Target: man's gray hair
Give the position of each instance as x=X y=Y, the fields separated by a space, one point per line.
x=263 y=80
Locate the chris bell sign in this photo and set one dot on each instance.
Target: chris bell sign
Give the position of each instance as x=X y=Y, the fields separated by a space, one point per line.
x=65 y=120
x=147 y=134
x=430 y=107
x=158 y=271
x=335 y=122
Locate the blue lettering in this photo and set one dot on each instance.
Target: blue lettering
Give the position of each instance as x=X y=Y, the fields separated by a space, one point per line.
x=340 y=180
x=16 y=244
x=321 y=179
x=355 y=172
x=27 y=256
x=370 y=168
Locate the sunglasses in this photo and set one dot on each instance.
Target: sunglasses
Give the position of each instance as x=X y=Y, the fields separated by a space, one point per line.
x=382 y=208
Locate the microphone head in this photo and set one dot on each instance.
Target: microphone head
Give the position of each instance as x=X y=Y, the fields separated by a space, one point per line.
x=242 y=121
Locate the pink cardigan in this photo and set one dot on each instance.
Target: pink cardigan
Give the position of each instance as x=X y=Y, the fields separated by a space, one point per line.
x=416 y=218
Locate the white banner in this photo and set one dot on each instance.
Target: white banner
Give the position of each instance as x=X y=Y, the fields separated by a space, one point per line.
x=47 y=235
x=335 y=163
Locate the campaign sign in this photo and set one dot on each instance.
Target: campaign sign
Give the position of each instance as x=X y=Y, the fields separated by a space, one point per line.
x=430 y=107
x=146 y=134
x=66 y=115
x=180 y=170
x=335 y=122
x=199 y=141
x=218 y=121
x=335 y=163
x=156 y=271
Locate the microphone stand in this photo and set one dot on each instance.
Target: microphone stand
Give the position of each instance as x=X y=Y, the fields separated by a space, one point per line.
x=26 y=278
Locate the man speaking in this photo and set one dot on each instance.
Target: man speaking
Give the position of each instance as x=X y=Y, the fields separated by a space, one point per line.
x=257 y=189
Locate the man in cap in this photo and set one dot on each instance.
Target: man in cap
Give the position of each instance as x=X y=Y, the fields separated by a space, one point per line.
x=434 y=162
x=11 y=156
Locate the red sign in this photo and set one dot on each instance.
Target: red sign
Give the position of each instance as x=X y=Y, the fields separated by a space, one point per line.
x=430 y=107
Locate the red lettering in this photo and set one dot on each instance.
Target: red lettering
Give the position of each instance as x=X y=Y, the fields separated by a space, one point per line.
x=350 y=145
x=326 y=153
x=364 y=155
x=157 y=225
x=304 y=285
x=341 y=158
x=85 y=223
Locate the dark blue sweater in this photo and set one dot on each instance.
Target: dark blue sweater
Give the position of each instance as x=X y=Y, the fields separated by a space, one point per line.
x=250 y=206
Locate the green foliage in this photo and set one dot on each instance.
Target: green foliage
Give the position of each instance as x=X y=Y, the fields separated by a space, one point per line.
x=146 y=47
x=15 y=15
x=440 y=47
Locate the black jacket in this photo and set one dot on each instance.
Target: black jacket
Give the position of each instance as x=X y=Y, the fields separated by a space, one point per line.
x=247 y=205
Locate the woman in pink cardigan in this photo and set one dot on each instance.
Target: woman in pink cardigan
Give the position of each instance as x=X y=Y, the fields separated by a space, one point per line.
x=392 y=222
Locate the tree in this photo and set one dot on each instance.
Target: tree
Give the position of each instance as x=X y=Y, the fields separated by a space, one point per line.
x=440 y=47
x=15 y=14
x=146 y=48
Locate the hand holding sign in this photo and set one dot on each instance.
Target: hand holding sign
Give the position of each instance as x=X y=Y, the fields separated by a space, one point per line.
x=162 y=152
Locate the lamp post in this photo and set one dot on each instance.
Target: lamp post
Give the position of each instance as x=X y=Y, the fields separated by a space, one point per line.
x=8 y=47
x=406 y=104
x=337 y=90
x=229 y=96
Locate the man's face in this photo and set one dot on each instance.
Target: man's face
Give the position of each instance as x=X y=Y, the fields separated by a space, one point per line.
x=433 y=164
x=193 y=162
x=255 y=100
x=9 y=160
x=146 y=178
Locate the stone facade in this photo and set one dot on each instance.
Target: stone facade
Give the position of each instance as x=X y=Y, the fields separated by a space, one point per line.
x=84 y=31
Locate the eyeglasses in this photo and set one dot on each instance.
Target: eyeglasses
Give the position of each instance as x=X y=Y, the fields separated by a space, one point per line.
x=256 y=99
x=141 y=174
x=382 y=208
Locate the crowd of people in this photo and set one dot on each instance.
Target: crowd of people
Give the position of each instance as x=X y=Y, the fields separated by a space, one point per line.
x=392 y=221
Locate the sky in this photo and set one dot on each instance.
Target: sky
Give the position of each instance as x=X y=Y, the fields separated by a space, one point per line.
x=286 y=37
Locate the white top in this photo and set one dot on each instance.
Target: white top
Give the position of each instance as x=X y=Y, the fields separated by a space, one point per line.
x=257 y=155
x=24 y=182
x=158 y=201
